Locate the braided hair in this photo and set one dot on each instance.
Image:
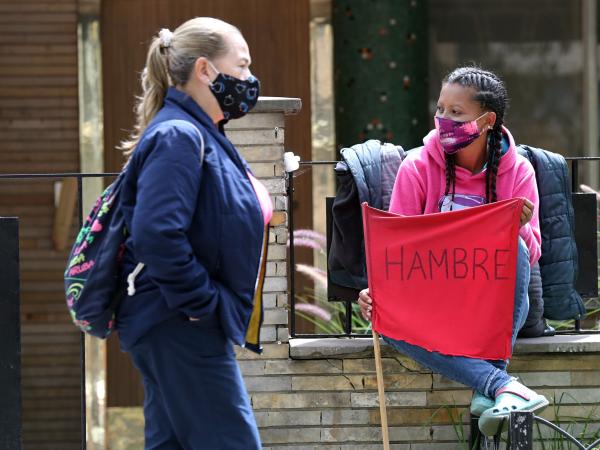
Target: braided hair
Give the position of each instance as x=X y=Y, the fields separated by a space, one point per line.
x=491 y=94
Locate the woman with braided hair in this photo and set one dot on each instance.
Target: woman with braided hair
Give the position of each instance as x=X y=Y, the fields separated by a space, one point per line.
x=470 y=159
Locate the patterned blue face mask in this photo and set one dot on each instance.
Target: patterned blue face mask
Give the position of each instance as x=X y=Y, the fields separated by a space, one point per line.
x=235 y=97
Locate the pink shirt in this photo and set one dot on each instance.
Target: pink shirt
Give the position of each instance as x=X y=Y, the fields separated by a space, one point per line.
x=421 y=183
x=266 y=205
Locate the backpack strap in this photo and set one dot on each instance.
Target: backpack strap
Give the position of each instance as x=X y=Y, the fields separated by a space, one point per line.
x=201 y=144
x=188 y=122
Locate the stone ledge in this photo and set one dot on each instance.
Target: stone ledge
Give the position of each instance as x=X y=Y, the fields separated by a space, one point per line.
x=563 y=343
x=286 y=105
x=342 y=348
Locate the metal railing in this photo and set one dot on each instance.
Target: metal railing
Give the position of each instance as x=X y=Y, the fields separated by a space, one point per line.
x=520 y=434
x=575 y=188
x=574 y=169
x=79 y=177
x=292 y=269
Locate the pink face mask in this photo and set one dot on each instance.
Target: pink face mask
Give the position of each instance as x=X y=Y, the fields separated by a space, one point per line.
x=455 y=135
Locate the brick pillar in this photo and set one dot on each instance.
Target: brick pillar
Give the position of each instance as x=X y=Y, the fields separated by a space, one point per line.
x=260 y=138
x=380 y=67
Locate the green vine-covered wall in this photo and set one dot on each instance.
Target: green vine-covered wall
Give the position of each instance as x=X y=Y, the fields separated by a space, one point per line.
x=380 y=60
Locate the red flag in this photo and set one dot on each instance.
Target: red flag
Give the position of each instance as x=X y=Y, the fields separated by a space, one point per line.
x=445 y=281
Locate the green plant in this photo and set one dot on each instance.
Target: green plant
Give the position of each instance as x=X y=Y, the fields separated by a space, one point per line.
x=458 y=421
x=312 y=304
x=570 y=424
x=592 y=312
x=329 y=317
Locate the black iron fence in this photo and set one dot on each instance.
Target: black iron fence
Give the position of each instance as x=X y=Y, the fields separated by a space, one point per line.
x=585 y=212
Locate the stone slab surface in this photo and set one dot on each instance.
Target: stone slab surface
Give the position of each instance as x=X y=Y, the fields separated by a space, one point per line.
x=334 y=348
x=287 y=105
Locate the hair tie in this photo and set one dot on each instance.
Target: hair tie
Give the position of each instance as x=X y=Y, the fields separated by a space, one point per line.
x=166 y=36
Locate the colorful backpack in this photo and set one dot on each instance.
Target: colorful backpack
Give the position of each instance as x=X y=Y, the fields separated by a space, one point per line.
x=94 y=284
x=93 y=278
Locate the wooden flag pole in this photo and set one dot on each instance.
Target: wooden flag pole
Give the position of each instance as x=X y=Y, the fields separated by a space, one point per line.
x=381 y=391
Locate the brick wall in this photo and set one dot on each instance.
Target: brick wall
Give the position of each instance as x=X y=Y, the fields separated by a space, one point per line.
x=332 y=403
x=260 y=137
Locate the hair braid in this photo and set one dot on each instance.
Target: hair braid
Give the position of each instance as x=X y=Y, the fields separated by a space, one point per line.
x=450 y=177
x=448 y=172
x=494 y=154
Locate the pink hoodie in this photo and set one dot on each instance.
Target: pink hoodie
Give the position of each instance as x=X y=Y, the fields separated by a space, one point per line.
x=421 y=183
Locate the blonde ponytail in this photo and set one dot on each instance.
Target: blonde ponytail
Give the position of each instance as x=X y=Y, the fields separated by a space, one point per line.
x=171 y=65
x=155 y=82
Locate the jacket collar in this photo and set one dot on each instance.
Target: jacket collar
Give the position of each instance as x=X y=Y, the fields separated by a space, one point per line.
x=181 y=100
x=189 y=105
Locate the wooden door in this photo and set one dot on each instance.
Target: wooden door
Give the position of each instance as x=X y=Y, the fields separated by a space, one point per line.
x=278 y=36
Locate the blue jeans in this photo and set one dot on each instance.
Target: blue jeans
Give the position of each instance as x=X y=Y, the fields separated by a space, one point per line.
x=482 y=375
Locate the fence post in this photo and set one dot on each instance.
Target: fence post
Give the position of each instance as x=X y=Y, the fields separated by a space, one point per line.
x=10 y=337
x=475 y=435
x=520 y=430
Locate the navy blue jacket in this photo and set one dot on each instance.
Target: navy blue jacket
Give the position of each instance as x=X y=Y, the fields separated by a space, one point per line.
x=198 y=228
x=366 y=174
